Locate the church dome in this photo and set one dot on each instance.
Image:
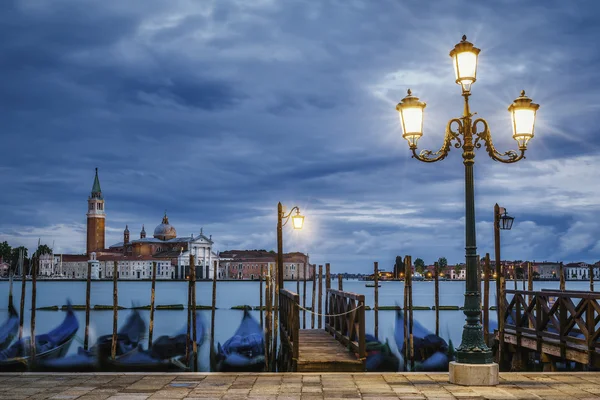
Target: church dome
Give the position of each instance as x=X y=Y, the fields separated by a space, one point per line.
x=165 y=231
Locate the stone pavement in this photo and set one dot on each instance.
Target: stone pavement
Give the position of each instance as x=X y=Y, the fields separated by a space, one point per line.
x=579 y=385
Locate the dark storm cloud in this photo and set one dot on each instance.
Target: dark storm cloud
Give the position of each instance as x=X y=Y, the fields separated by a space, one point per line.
x=217 y=110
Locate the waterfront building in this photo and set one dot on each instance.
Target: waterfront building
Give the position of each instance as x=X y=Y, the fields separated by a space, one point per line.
x=246 y=264
x=580 y=270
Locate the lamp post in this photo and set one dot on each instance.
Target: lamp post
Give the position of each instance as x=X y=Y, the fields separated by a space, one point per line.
x=501 y=221
x=282 y=219
x=470 y=134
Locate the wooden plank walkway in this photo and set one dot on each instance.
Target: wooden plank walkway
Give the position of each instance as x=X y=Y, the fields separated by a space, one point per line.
x=293 y=386
x=320 y=352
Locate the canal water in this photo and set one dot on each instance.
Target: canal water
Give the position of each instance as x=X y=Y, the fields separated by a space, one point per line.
x=230 y=294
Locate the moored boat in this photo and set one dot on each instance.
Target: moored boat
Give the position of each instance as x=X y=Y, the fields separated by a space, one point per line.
x=9 y=329
x=245 y=350
x=380 y=357
x=88 y=360
x=51 y=345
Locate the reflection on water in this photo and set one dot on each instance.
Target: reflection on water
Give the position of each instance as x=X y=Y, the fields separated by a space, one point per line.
x=229 y=294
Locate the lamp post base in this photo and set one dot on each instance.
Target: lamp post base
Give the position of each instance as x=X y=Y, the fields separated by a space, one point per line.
x=473 y=374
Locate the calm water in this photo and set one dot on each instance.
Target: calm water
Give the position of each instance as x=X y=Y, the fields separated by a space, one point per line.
x=231 y=294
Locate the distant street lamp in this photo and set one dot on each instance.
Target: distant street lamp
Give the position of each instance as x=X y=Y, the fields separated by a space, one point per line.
x=297 y=223
x=473 y=349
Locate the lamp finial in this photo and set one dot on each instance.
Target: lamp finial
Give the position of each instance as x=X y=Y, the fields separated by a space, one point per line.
x=464 y=38
x=409 y=92
x=522 y=93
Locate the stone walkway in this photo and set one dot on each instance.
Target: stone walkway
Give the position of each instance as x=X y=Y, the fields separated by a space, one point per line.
x=560 y=386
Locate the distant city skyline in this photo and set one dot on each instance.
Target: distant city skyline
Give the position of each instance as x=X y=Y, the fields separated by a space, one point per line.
x=218 y=110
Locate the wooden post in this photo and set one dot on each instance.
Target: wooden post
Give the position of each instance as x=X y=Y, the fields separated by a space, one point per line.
x=529 y=279
x=304 y=297
x=279 y=281
x=515 y=277
x=406 y=354
x=562 y=276
x=297 y=280
x=152 y=297
x=88 y=289
x=194 y=331
x=314 y=288
x=436 y=273
x=501 y=312
x=268 y=303
x=320 y=305
x=327 y=287
x=376 y=308
x=212 y=316
x=340 y=282
x=189 y=315
x=591 y=277
x=262 y=277
x=113 y=347
x=410 y=315
x=23 y=287
x=486 y=298
x=33 y=305
x=10 y=289
x=523 y=276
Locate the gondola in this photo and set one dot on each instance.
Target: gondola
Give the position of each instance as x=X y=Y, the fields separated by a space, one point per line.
x=88 y=361
x=380 y=357
x=245 y=350
x=9 y=329
x=167 y=353
x=51 y=345
x=426 y=345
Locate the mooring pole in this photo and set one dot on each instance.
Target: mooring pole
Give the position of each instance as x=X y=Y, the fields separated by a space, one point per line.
x=268 y=322
x=436 y=271
x=262 y=277
x=562 y=276
x=340 y=282
x=194 y=330
x=591 y=277
x=314 y=288
x=33 y=305
x=213 y=312
x=23 y=287
x=152 y=297
x=376 y=295
x=188 y=342
x=327 y=287
x=486 y=298
x=304 y=297
x=113 y=347
x=406 y=354
x=410 y=318
x=320 y=305
x=88 y=289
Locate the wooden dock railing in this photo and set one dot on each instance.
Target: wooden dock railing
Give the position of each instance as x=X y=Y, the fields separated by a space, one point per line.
x=345 y=320
x=563 y=324
x=289 y=326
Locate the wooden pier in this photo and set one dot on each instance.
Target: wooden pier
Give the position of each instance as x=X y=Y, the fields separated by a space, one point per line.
x=340 y=347
x=551 y=326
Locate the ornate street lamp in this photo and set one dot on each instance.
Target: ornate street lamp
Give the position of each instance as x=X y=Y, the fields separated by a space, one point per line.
x=469 y=135
x=282 y=219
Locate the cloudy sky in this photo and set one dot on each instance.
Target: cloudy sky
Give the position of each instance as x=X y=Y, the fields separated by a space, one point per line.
x=217 y=110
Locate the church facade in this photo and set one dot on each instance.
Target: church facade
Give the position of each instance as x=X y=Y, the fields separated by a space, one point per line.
x=134 y=259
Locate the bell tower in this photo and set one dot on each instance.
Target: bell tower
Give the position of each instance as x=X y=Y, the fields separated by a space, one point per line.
x=95 y=218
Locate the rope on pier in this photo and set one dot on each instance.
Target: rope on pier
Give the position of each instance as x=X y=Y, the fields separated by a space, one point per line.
x=330 y=315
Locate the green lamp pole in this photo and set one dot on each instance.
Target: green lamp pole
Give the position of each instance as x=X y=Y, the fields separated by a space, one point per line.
x=472 y=349
x=282 y=219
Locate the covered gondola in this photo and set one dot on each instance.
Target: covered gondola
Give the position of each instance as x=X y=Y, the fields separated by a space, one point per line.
x=9 y=329
x=167 y=353
x=51 y=345
x=245 y=350
x=380 y=357
x=128 y=338
x=431 y=352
